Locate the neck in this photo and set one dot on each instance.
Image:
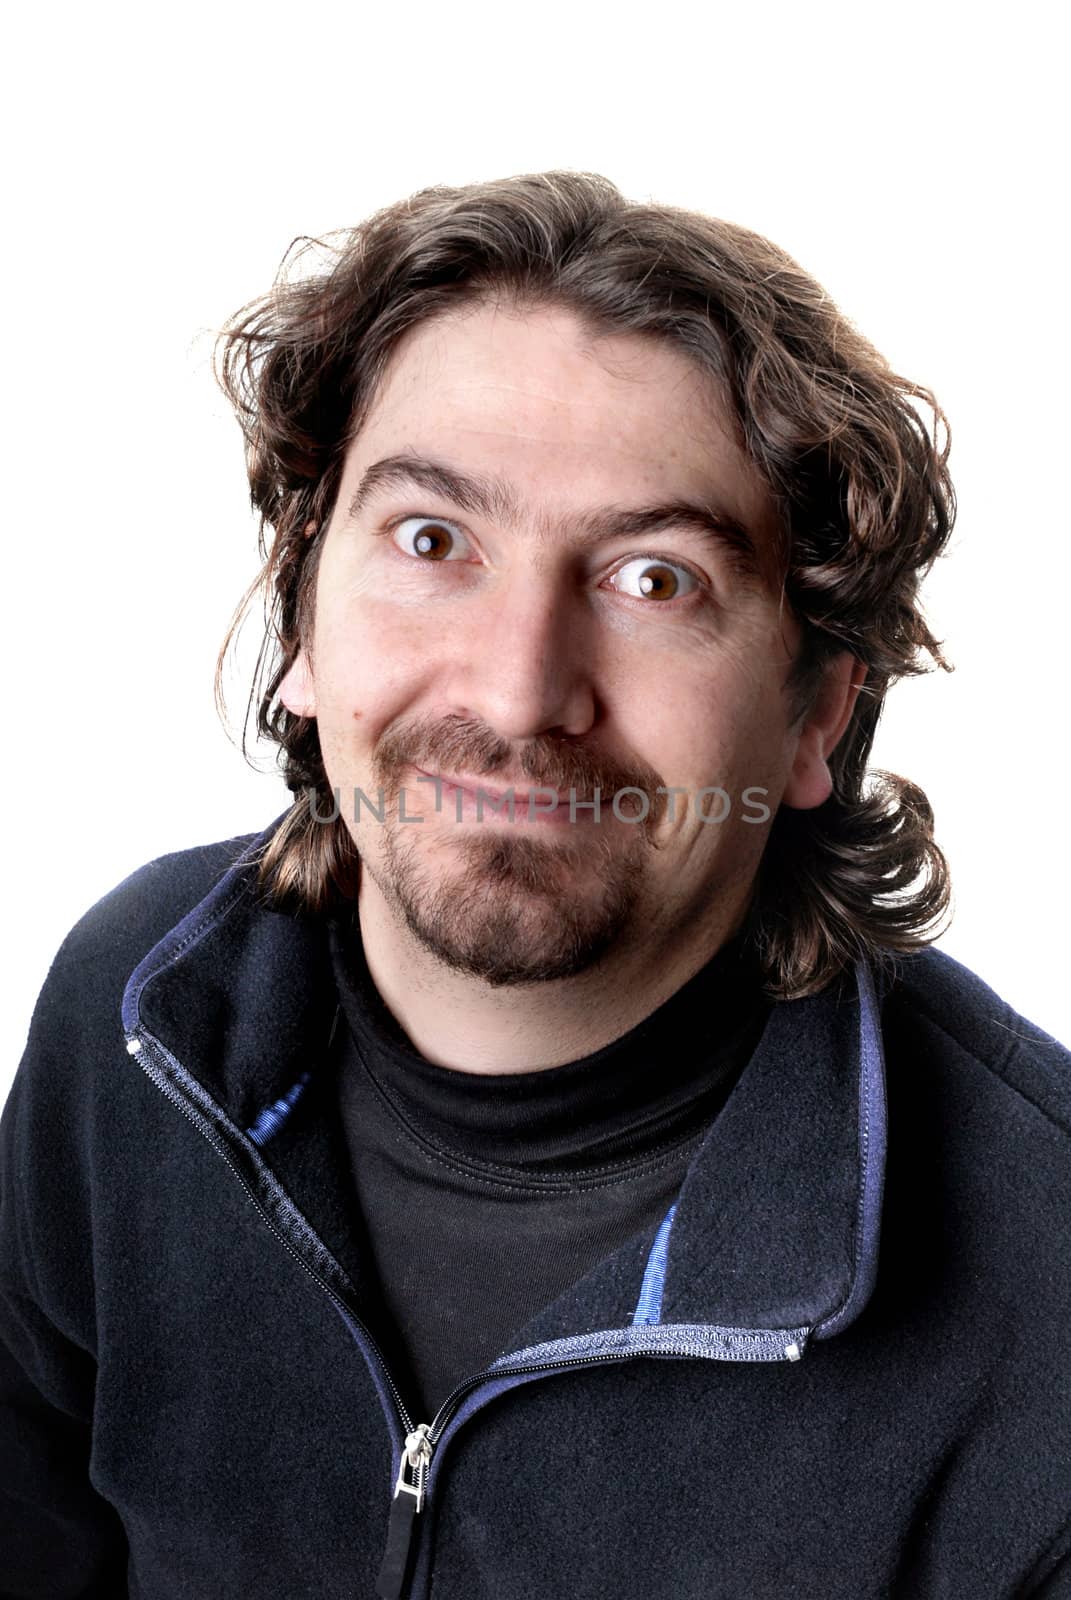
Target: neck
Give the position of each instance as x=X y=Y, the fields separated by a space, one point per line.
x=459 y=1021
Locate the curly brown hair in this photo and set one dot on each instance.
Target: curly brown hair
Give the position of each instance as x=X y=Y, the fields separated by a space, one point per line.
x=858 y=479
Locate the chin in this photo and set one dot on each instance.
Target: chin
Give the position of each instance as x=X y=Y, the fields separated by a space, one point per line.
x=513 y=910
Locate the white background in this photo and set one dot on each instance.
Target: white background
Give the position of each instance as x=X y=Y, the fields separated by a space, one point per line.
x=160 y=161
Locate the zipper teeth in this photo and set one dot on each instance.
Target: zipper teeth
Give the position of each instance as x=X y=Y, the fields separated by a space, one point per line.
x=155 y=1076
x=449 y=1404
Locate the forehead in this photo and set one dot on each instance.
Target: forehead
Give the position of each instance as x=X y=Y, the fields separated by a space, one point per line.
x=567 y=415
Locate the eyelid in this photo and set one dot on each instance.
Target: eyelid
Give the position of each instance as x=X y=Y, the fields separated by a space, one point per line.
x=424 y=516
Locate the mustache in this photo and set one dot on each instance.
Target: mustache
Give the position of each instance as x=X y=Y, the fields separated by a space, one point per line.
x=461 y=745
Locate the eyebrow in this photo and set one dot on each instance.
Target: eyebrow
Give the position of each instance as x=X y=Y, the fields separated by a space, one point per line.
x=495 y=500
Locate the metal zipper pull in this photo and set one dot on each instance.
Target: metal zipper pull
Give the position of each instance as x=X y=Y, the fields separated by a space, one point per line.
x=408 y=1500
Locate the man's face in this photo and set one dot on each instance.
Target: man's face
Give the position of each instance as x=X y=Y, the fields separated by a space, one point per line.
x=512 y=647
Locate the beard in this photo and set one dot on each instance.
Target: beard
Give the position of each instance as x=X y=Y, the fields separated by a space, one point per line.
x=516 y=910
x=494 y=902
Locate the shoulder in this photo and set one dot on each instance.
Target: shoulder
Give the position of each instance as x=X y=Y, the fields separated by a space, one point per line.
x=973 y=1291
x=87 y=975
x=936 y=1005
x=69 y=1109
x=978 y=1180
x=145 y=904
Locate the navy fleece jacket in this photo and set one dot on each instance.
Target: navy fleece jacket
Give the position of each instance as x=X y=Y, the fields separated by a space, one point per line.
x=838 y=1366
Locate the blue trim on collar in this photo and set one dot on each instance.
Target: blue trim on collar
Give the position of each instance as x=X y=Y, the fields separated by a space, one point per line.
x=873 y=1136
x=271 y=1120
x=649 y=1305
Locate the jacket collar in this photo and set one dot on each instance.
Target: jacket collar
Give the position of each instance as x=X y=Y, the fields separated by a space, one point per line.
x=774 y=1235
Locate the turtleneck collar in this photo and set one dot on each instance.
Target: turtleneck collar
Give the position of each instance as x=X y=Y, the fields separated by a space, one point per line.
x=663 y=1079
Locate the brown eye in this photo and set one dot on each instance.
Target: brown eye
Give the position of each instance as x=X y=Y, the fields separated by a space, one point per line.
x=658 y=583
x=648 y=579
x=429 y=540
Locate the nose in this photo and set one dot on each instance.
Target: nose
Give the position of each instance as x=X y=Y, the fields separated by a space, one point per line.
x=526 y=665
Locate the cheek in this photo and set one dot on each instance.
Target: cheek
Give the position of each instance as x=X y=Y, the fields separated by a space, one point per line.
x=369 y=659
x=722 y=727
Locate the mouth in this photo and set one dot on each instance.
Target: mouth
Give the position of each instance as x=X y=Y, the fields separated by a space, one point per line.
x=528 y=804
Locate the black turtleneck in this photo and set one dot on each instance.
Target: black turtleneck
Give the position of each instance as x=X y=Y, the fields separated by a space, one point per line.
x=486 y=1195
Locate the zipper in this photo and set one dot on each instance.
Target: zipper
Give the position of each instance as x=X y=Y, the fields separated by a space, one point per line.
x=144 y=1045
x=420 y=1439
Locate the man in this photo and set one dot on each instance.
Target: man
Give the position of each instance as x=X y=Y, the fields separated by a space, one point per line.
x=548 y=1161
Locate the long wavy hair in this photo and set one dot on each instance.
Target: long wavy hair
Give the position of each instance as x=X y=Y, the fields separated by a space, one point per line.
x=855 y=458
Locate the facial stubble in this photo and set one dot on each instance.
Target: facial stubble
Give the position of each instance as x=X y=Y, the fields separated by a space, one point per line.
x=523 y=902
x=507 y=908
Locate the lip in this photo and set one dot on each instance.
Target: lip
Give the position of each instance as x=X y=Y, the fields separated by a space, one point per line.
x=471 y=785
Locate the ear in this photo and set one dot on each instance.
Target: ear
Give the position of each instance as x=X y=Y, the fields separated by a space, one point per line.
x=810 y=781
x=297 y=690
